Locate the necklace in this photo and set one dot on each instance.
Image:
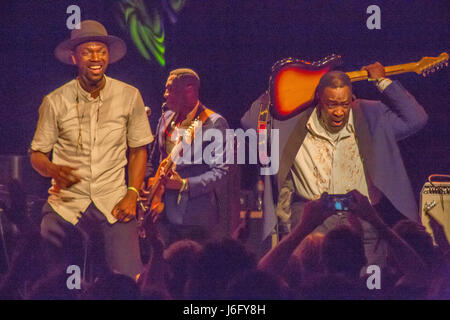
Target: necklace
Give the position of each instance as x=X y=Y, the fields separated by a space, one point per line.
x=80 y=120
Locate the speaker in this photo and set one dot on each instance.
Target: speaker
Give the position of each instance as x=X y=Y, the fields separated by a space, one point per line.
x=435 y=201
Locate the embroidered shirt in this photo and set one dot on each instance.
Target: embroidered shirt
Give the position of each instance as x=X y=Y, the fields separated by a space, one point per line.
x=328 y=162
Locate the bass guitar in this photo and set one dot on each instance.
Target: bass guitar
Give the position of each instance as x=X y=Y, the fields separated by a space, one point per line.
x=152 y=204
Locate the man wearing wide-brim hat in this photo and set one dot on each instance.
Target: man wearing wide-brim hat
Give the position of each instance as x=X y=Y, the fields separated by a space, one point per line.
x=89 y=124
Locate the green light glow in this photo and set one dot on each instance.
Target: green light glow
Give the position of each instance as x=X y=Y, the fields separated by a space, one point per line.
x=146 y=28
x=136 y=37
x=156 y=48
x=144 y=20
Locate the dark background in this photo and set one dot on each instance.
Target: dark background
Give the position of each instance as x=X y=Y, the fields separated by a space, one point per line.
x=232 y=45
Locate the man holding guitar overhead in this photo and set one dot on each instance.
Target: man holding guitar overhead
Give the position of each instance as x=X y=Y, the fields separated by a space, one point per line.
x=342 y=144
x=186 y=201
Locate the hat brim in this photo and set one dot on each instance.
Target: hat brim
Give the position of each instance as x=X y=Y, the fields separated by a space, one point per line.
x=116 y=47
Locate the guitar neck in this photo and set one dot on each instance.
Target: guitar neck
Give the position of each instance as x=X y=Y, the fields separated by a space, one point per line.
x=390 y=70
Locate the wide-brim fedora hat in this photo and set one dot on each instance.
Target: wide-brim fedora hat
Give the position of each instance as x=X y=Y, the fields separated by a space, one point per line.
x=90 y=30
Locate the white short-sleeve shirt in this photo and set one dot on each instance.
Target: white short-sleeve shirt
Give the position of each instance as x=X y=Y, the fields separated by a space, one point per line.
x=92 y=135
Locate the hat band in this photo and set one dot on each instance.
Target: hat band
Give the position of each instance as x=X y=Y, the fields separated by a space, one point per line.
x=88 y=34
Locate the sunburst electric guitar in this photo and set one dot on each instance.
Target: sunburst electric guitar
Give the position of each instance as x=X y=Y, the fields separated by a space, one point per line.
x=293 y=81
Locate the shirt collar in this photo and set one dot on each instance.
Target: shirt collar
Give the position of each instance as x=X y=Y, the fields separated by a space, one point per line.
x=86 y=96
x=316 y=128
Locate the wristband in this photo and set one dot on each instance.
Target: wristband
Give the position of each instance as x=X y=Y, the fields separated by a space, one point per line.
x=183 y=188
x=134 y=189
x=185 y=185
x=383 y=83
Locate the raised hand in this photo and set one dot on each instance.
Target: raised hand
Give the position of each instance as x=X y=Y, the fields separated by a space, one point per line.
x=375 y=70
x=362 y=208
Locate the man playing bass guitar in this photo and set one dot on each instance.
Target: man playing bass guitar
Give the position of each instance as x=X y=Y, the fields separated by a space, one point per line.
x=190 y=197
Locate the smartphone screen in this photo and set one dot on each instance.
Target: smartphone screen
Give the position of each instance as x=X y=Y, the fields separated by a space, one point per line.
x=338 y=206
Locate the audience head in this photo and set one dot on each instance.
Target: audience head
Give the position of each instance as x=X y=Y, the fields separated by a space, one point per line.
x=333 y=287
x=181 y=257
x=309 y=254
x=343 y=252
x=114 y=287
x=257 y=285
x=53 y=286
x=219 y=262
x=417 y=237
x=305 y=263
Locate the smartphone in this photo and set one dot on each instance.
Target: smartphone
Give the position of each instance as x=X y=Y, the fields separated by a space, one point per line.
x=338 y=202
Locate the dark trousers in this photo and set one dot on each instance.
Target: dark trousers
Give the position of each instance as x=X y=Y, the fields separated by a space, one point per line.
x=93 y=244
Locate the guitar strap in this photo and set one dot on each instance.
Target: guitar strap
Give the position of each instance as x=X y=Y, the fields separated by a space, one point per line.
x=263 y=134
x=205 y=114
x=263 y=124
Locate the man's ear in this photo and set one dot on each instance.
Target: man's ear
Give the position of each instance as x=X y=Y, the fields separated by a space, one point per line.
x=317 y=102
x=316 y=97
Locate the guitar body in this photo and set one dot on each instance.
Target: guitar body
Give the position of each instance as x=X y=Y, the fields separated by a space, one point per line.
x=293 y=83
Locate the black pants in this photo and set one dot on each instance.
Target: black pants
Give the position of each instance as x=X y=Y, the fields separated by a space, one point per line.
x=93 y=243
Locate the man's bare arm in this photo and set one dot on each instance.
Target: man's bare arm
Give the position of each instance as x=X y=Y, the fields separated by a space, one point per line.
x=126 y=208
x=136 y=166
